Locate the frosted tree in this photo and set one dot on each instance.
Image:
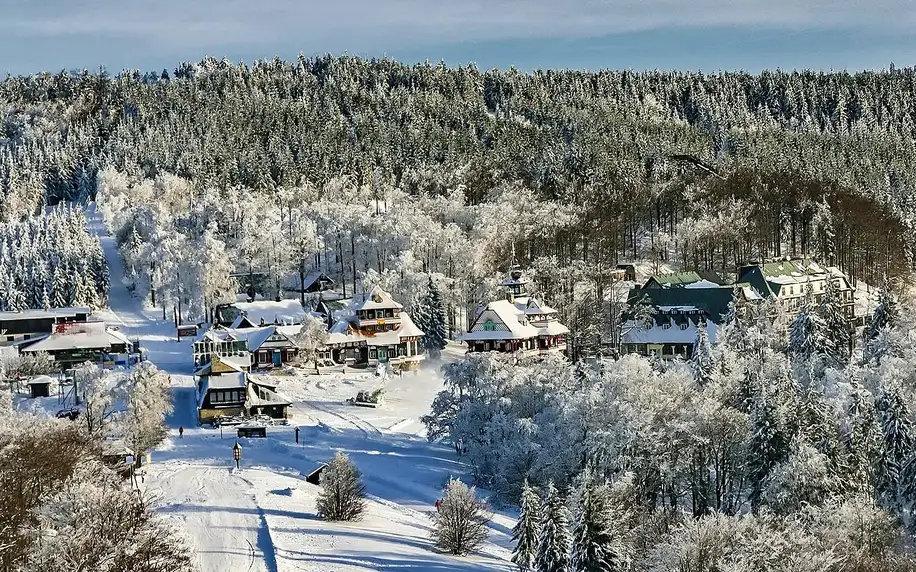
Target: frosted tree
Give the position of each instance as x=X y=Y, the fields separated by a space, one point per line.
x=767 y=447
x=149 y=401
x=460 y=524
x=595 y=546
x=883 y=316
x=434 y=325
x=98 y=390
x=554 y=541
x=701 y=360
x=343 y=494
x=525 y=531
x=837 y=331
x=807 y=333
x=897 y=445
x=311 y=337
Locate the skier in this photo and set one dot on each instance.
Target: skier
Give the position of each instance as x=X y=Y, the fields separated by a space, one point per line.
x=180 y=432
x=438 y=504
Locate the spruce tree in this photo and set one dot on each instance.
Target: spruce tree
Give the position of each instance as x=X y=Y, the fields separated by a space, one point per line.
x=884 y=315
x=525 y=531
x=554 y=541
x=434 y=325
x=594 y=546
x=769 y=446
x=343 y=494
x=807 y=333
x=897 y=444
x=837 y=331
x=701 y=362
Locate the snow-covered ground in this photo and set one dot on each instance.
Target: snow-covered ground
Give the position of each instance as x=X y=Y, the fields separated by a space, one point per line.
x=263 y=517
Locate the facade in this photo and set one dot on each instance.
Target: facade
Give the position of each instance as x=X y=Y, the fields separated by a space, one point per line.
x=519 y=324
x=374 y=330
x=73 y=343
x=259 y=347
x=788 y=281
x=225 y=389
x=16 y=327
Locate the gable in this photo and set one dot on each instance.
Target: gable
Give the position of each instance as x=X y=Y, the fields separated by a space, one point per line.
x=489 y=321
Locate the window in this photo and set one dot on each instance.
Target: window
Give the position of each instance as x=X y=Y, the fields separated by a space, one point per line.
x=488 y=326
x=10 y=338
x=666 y=325
x=684 y=326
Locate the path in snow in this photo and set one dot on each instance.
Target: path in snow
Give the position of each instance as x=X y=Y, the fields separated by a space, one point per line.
x=225 y=524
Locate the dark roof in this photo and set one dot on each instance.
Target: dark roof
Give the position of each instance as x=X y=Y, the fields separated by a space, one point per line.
x=712 y=301
x=681 y=279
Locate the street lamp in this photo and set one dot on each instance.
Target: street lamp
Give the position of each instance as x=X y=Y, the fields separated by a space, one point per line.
x=237 y=454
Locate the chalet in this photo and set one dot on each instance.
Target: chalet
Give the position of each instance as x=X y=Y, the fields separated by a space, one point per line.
x=692 y=279
x=73 y=343
x=312 y=285
x=788 y=282
x=27 y=325
x=520 y=323
x=253 y=347
x=375 y=329
x=226 y=389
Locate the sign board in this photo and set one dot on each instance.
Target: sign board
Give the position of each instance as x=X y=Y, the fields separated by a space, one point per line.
x=187 y=331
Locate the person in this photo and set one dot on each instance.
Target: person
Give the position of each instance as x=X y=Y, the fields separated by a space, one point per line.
x=180 y=431
x=438 y=503
x=459 y=446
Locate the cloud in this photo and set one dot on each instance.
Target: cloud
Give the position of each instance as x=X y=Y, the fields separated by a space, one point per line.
x=373 y=25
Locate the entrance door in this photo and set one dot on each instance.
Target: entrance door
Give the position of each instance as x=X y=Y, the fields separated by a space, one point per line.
x=278 y=358
x=382 y=354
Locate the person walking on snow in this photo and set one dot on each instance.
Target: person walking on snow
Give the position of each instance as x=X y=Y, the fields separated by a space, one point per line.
x=459 y=446
x=180 y=432
x=438 y=504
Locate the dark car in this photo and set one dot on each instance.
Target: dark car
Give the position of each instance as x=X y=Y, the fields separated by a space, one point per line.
x=70 y=414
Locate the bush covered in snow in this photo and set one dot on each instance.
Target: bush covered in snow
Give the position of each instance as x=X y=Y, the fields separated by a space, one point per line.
x=460 y=524
x=343 y=494
x=61 y=509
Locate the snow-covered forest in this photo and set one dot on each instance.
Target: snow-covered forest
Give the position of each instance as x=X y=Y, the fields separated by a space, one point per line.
x=380 y=171
x=762 y=451
x=51 y=261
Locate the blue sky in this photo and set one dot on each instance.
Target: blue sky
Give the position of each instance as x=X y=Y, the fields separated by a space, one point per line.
x=710 y=35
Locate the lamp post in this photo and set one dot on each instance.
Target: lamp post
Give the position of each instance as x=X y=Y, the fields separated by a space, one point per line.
x=237 y=454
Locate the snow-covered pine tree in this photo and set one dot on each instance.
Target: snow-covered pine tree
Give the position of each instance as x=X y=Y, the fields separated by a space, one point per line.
x=525 y=532
x=807 y=332
x=768 y=446
x=594 y=546
x=343 y=494
x=897 y=446
x=434 y=320
x=554 y=541
x=837 y=330
x=884 y=314
x=701 y=361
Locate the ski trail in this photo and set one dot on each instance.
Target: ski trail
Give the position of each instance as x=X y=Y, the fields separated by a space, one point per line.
x=365 y=427
x=223 y=520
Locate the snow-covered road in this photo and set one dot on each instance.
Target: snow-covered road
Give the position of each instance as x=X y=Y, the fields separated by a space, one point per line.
x=218 y=508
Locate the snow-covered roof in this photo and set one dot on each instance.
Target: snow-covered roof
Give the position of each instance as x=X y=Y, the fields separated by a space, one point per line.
x=70 y=312
x=82 y=335
x=227 y=381
x=702 y=284
x=532 y=306
x=374 y=299
x=282 y=312
x=40 y=380
x=346 y=331
x=553 y=328
x=514 y=320
x=270 y=398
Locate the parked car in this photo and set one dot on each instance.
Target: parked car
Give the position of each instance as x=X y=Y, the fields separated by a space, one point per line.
x=72 y=413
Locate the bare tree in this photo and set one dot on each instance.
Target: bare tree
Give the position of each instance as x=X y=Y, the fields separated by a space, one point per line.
x=343 y=496
x=460 y=525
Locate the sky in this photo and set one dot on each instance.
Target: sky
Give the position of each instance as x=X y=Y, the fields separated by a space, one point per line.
x=706 y=35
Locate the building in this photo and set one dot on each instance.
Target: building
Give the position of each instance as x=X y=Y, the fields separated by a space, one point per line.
x=315 y=284
x=788 y=281
x=519 y=324
x=249 y=347
x=73 y=343
x=225 y=389
x=26 y=325
x=375 y=329
x=674 y=310
x=261 y=313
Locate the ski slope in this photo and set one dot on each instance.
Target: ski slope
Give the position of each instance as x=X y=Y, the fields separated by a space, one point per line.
x=263 y=517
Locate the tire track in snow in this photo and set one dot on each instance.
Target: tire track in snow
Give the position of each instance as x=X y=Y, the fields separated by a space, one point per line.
x=351 y=419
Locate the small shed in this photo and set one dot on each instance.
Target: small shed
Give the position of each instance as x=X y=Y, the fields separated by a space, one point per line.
x=314 y=477
x=40 y=386
x=252 y=431
x=625 y=272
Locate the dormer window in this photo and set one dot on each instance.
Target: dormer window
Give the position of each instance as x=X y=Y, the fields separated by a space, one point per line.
x=684 y=326
x=488 y=326
x=667 y=325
